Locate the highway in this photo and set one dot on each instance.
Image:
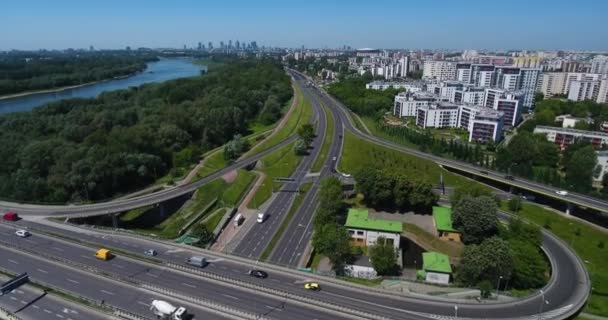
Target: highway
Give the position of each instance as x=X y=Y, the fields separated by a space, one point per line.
x=568 y=288
x=258 y=237
x=293 y=242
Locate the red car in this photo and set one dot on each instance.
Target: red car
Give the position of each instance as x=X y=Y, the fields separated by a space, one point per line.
x=11 y=216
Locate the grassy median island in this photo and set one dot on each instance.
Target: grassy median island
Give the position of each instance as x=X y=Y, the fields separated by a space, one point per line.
x=358 y=154
x=588 y=242
x=329 y=133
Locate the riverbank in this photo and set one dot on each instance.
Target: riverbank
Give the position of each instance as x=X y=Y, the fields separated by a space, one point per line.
x=60 y=89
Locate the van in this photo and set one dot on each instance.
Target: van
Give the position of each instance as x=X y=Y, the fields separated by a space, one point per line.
x=197 y=261
x=103 y=254
x=238 y=219
x=11 y=216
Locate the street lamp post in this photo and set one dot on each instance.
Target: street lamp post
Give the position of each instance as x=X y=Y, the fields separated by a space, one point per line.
x=542 y=302
x=456 y=311
x=498 y=286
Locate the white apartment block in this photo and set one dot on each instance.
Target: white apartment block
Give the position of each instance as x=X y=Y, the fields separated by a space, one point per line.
x=486 y=126
x=470 y=95
x=553 y=83
x=406 y=104
x=602 y=95
x=584 y=90
x=599 y=64
x=414 y=86
x=437 y=115
x=439 y=70
x=527 y=81
x=509 y=103
x=445 y=89
x=567 y=136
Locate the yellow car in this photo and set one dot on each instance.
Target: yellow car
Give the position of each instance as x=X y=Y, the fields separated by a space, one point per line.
x=311 y=286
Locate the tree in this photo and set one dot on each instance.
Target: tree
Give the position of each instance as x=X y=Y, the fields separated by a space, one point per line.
x=476 y=218
x=306 y=132
x=331 y=195
x=579 y=166
x=300 y=147
x=472 y=189
x=514 y=204
x=485 y=289
x=529 y=265
x=333 y=241
x=383 y=257
x=235 y=147
x=487 y=261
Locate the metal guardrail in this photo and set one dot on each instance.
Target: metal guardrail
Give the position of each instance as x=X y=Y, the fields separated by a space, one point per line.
x=356 y=314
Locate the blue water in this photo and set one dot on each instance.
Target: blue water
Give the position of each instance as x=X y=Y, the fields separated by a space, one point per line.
x=157 y=71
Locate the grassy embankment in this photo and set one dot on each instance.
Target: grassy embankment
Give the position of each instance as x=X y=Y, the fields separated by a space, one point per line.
x=292 y=211
x=358 y=154
x=329 y=133
x=224 y=194
x=588 y=242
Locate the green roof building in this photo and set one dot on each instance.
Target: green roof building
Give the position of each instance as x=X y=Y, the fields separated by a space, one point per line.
x=443 y=222
x=364 y=231
x=359 y=219
x=436 y=267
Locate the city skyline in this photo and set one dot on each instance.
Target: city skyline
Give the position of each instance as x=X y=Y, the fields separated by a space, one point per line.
x=388 y=24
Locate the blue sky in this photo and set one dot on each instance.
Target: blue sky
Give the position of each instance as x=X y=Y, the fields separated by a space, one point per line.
x=492 y=24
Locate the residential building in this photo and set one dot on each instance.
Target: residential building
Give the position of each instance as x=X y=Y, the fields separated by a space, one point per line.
x=445 y=89
x=436 y=268
x=506 y=78
x=487 y=126
x=368 y=52
x=469 y=95
x=411 y=86
x=564 y=137
x=505 y=101
x=439 y=70
x=583 y=90
x=365 y=231
x=482 y=75
x=437 y=115
x=602 y=92
x=527 y=82
x=403 y=66
x=553 y=83
x=442 y=217
x=569 y=121
x=407 y=103
x=599 y=64
x=527 y=62
x=463 y=72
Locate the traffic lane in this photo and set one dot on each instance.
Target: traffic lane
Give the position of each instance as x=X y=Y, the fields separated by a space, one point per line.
x=31 y=303
x=88 y=286
x=166 y=278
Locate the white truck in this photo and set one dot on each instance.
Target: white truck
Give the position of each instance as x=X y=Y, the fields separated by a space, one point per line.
x=166 y=311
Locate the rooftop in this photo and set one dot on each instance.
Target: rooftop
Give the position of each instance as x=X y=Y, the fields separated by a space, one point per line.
x=436 y=262
x=443 y=218
x=573 y=131
x=359 y=219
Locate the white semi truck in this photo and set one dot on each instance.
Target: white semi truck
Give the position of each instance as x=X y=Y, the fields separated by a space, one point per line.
x=166 y=311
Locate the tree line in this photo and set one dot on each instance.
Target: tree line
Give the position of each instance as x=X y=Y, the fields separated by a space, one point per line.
x=92 y=149
x=31 y=71
x=496 y=254
x=351 y=91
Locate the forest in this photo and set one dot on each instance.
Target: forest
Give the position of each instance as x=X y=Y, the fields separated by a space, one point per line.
x=92 y=149
x=32 y=71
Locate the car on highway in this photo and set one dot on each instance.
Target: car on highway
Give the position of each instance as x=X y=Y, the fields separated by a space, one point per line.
x=334 y=158
x=311 y=286
x=150 y=252
x=22 y=233
x=258 y=274
x=261 y=217
x=103 y=254
x=562 y=193
x=346 y=175
x=10 y=216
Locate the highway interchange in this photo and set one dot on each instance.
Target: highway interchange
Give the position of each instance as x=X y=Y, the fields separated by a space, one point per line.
x=567 y=290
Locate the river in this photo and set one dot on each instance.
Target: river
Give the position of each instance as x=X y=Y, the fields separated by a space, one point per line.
x=158 y=71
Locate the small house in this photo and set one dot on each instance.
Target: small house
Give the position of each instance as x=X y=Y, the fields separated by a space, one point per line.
x=442 y=217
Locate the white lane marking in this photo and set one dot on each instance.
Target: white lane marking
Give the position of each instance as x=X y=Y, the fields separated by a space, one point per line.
x=35 y=306
x=43 y=271
x=107 y=292
x=86 y=257
x=13 y=261
x=235 y=271
x=189 y=285
x=143 y=303
x=57 y=249
x=58 y=315
x=19 y=291
x=229 y=296
x=23 y=302
x=48 y=311
x=72 y=281
x=120 y=266
x=274 y=308
x=152 y=275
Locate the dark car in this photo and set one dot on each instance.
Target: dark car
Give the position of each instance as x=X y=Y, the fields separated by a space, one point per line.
x=509 y=177
x=258 y=274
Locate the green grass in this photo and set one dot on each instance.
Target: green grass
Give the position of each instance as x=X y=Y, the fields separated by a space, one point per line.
x=366 y=282
x=316 y=259
x=372 y=125
x=292 y=211
x=586 y=245
x=329 y=133
x=214 y=219
x=134 y=214
x=358 y=154
x=452 y=249
x=280 y=163
x=301 y=115
x=233 y=194
x=214 y=162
